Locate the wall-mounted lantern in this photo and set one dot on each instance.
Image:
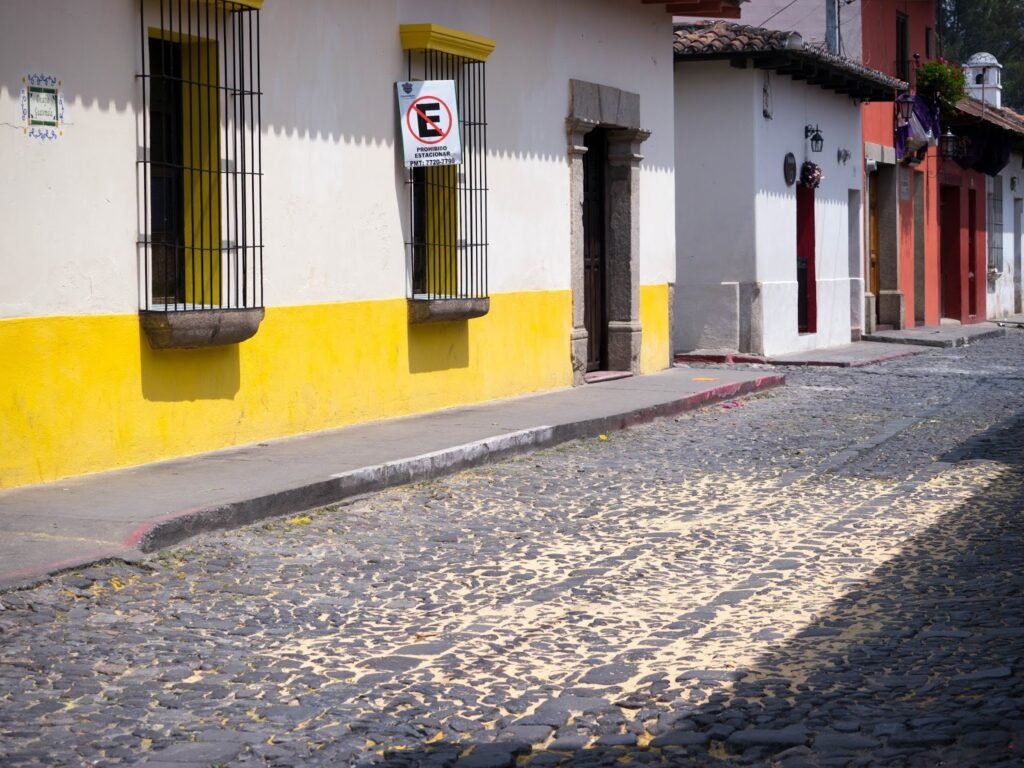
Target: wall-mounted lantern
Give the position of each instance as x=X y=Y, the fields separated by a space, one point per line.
x=813 y=132
x=949 y=145
x=904 y=107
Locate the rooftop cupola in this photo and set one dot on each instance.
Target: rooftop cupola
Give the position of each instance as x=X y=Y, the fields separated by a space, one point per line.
x=984 y=78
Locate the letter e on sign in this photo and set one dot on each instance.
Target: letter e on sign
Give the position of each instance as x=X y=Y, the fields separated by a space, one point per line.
x=429 y=122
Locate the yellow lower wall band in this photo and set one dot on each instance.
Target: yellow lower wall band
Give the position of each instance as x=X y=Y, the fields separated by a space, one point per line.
x=86 y=394
x=655 y=342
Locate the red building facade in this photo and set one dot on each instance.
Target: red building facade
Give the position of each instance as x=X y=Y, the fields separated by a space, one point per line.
x=903 y=285
x=926 y=227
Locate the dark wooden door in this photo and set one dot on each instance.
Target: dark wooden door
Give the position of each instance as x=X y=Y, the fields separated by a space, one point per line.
x=595 y=163
x=949 y=250
x=874 y=242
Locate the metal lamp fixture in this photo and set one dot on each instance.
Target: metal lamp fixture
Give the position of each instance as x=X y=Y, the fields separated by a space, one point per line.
x=904 y=107
x=813 y=132
x=949 y=145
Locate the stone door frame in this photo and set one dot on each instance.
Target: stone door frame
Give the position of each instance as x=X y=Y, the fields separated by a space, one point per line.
x=591 y=106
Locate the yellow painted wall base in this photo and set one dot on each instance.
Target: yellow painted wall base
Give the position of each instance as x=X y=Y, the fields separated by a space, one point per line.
x=656 y=341
x=86 y=394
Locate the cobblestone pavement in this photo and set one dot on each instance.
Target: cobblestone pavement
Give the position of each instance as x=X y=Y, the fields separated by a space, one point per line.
x=829 y=574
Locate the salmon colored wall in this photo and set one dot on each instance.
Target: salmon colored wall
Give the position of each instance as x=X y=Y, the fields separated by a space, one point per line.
x=930 y=178
x=877 y=121
x=925 y=174
x=906 y=251
x=878 y=23
x=878 y=32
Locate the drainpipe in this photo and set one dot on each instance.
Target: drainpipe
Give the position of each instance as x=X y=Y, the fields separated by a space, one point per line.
x=832 y=26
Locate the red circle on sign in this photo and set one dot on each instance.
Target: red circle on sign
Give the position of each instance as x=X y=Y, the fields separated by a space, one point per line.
x=413 y=110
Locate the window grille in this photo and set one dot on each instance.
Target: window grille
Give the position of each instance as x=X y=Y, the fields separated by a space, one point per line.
x=201 y=217
x=448 y=204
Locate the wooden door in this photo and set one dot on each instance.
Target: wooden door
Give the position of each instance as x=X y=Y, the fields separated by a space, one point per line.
x=874 y=241
x=949 y=251
x=595 y=163
x=972 y=252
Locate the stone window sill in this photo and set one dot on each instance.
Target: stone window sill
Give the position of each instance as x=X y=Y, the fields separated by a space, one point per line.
x=445 y=310
x=199 y=328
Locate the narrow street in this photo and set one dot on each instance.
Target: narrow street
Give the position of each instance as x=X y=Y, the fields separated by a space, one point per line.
x=827 y=574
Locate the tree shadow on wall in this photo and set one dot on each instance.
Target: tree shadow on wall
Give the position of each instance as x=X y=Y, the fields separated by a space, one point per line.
x=918 y=666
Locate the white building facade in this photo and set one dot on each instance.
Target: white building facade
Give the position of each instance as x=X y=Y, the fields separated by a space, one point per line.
x=1005 y=240
x=1005 y=199
x=209 y=236
x=766 y=264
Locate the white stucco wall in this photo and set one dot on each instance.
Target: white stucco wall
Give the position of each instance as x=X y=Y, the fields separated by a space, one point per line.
x=335 y=199
x=715 y=228
x=736 y=219
x=796 y=105
x=1003 y=288
x=67 y=206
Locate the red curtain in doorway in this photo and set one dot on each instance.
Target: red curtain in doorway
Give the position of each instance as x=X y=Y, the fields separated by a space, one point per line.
x=807 y=290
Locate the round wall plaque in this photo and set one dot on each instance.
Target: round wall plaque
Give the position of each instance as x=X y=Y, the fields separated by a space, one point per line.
x=789 y=169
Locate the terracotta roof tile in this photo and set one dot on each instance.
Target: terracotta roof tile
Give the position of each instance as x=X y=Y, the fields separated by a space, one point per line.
x=782 y=51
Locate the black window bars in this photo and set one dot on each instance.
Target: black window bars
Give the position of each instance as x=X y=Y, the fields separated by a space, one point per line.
x=448 y=204
x=200 y=181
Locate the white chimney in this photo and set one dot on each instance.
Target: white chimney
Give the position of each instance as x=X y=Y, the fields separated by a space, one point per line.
x=985 y=78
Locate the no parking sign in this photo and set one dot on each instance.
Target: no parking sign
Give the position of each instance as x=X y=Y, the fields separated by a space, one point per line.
x=429 y=121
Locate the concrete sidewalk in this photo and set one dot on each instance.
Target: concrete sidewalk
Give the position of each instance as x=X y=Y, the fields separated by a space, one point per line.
x=945 y=335
x=61 y=525
x=877 y=347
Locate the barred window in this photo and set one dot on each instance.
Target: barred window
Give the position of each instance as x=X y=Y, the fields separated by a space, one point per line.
x=447 y=245
x=995 y=224
x=201 y=244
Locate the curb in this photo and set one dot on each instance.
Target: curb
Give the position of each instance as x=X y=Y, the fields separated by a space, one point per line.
x=177 y=527
x=849 y=363
x=948 y=343
x=26 y=578
x=718 y=357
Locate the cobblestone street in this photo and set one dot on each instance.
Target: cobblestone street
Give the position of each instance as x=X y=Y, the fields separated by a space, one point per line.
x=827 y=574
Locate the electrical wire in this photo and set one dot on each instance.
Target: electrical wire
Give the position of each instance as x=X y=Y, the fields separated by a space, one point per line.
x=783 y=8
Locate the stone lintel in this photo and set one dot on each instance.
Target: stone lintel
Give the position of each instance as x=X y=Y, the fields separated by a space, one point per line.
x=603 y=104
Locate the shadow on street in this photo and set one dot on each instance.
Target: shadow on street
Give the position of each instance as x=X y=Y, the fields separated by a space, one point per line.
x=920 y=666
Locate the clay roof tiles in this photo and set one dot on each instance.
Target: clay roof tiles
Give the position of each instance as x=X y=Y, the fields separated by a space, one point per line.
x=786 y=53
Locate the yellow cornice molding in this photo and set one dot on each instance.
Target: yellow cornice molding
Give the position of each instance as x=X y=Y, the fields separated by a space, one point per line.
x=434 y=37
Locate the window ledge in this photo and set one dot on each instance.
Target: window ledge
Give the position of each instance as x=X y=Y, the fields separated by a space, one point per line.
x=444 y=310
x=199 y=328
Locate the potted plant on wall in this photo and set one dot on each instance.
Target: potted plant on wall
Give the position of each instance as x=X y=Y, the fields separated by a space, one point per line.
x=810 y=175
x=942 y=83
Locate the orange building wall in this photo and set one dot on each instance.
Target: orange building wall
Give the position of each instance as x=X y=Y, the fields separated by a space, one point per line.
x=878 y=23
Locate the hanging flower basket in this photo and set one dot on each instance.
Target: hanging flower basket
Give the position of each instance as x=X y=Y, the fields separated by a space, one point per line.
x=943 y=84
x=810 y=175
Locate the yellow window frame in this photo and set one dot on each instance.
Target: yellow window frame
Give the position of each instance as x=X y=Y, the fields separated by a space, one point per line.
x=200 y=130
